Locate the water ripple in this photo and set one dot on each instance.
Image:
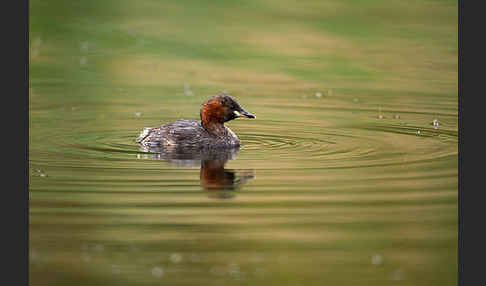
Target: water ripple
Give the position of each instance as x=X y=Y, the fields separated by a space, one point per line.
x=371 y=144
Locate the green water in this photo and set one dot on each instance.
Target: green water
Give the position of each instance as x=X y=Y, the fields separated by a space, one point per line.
x=342 y=179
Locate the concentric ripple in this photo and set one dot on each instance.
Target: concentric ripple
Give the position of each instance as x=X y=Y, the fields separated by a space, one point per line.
x=353 y=146
x=370 y=144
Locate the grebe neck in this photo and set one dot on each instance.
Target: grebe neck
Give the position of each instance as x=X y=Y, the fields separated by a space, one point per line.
x=215 y=128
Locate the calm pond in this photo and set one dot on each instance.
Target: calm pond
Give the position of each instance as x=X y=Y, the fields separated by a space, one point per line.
x=347 y=176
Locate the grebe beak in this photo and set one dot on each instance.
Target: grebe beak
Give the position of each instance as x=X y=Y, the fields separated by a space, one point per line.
x=243 y=113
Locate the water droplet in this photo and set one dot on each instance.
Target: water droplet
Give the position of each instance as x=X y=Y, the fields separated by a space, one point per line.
x=257 y=258
x=233 y=267
x=34 y=256
x=234 y=270
x=195 y=258
x=217 y=270
x=115 y=269
x=98 y=248
x=84 y=46
x=37 y=42
x=157 y=271
x=397 y=274
x=141 y=42
x=380 y=116
x=35 y=47
x=85 y=257
x=377 y=259
x=259 y=272
x=83 y=61
x=187 y=90
x=175 y=258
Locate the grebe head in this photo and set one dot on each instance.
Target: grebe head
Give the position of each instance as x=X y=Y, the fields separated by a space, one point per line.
x=221 y=108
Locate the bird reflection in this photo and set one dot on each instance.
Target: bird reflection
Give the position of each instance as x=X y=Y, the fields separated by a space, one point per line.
x=215 y=179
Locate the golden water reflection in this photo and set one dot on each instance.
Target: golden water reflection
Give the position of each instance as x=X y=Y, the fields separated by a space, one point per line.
x=219 y=182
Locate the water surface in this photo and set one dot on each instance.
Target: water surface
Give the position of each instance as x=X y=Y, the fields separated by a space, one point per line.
x=343 y=178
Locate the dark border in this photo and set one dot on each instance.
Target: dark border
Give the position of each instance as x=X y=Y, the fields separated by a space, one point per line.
x=24 y=279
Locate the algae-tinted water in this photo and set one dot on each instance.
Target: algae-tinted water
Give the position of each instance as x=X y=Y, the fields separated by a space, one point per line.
x=342 y=179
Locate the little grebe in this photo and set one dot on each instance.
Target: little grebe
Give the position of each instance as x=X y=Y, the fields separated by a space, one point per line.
x=208 y=133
